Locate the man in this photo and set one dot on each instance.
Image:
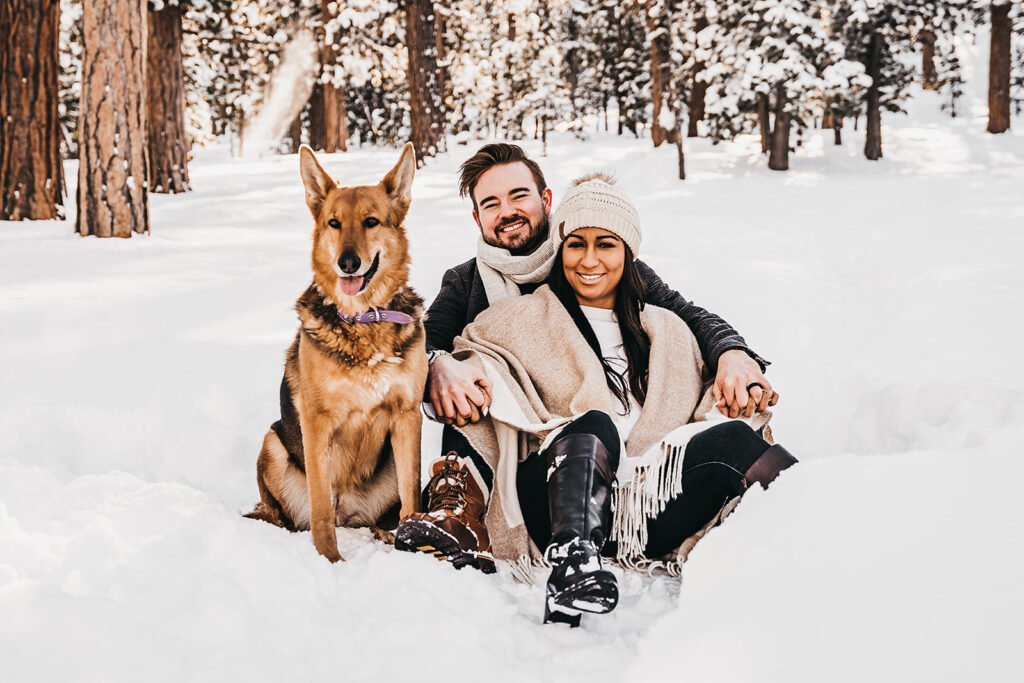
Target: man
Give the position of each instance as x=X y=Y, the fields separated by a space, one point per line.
x=511 y=203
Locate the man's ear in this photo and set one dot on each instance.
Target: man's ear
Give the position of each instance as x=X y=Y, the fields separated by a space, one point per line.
x=315 y=179
x=477 y=219
x=545 y=198
x=398 y=182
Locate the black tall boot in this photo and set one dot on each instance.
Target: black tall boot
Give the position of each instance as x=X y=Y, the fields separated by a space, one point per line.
x=579 y=496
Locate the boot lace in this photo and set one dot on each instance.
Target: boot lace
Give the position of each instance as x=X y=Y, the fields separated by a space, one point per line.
x=448 y=487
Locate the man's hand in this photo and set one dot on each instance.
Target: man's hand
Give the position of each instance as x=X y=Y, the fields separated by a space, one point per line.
x=736 y=372
x=459 y=391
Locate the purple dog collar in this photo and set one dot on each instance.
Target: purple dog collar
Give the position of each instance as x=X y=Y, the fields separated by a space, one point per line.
x=377 y=315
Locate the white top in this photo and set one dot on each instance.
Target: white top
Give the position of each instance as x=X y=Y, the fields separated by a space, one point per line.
x=606 y=327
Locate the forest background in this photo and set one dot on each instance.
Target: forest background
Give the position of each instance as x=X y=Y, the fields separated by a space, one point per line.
x=131 y=87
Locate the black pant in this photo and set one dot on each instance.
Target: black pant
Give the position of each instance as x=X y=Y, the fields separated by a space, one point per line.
x=713 y=467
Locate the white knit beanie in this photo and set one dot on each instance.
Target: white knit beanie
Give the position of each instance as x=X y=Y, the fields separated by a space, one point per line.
x=594 y=201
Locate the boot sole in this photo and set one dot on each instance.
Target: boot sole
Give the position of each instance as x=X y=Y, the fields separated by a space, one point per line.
x=596 y=593
x=420 y=537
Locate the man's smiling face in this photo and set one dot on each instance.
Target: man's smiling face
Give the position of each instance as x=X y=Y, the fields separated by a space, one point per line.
x=510 y=211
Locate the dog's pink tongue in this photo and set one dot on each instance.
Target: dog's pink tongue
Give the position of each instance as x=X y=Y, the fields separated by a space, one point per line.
x=351 y=285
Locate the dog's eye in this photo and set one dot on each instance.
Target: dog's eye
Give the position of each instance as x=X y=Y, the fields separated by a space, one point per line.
x=334 y=223
x=371 y=222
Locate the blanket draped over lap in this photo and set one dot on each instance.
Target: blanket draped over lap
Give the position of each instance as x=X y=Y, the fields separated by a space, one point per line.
x=545 y=375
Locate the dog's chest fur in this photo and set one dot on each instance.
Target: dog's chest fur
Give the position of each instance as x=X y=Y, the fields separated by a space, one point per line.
x=350 y=377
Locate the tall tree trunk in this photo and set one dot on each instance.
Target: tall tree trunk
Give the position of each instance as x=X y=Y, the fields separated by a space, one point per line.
x=681 y=157
x=698 y=89
x=778 y=159
x=439 y=48
x=317 y=120
x=999 y=69
x=295 y=133
x=661 y=95
x=697 y=96
x=335 y=120
x=837 y=128
x=335 y=125
x=165 y=103
x=828 y=117
x=873 y=138
x=928 y=74
x=425 y=105
x=31 y=173
x=762 y=121
x=112 y=200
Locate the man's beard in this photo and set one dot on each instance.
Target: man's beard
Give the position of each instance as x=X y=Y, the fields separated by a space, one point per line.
x=529 y=243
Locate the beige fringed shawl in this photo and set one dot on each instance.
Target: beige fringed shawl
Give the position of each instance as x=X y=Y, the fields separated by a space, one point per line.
x=545 y=375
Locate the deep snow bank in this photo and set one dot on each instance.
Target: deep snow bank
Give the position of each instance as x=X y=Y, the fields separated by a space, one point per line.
x=139 y=377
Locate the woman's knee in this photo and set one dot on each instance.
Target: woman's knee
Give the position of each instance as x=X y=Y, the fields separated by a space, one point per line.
x=599 y=424
x=733 y=444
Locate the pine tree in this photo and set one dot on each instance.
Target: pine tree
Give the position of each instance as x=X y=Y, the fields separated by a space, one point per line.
x=999 y=67
x=165 y=98
x=426 y=106
x=31 y=174
x=776 y=59
x=880 y=34
x=112 y=198
x=613 y=66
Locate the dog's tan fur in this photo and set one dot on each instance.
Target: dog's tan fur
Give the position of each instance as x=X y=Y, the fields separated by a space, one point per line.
x=347 y=447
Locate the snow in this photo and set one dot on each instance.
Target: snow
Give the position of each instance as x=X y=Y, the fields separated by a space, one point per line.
x=140 y=375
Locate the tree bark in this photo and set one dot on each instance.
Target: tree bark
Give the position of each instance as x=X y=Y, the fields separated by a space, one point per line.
x=332 y=98
x=660 y=81
x=828 y=116
x=698 y=89
x=928 y=74
x=31 y=173
x=112 y=200
x=999 y=70
x=762 y=121
x=681 y=156
x=873 y=138
x=425 y=104
x=317 y=124
x=837 y=128
x=697 y=96
x=778 y=159
x=295 y=133
x=165 y=103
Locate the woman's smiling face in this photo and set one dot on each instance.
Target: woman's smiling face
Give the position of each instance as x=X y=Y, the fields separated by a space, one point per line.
x=593 y=260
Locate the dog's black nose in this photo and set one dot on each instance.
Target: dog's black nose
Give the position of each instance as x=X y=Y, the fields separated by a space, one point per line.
x=349 y=262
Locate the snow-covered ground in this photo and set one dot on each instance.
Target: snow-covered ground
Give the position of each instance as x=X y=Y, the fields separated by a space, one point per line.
x=139 y=376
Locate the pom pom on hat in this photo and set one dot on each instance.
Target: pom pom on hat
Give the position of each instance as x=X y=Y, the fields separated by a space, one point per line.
x=594 y=201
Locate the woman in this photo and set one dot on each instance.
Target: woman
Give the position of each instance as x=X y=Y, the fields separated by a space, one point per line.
x=595 y=398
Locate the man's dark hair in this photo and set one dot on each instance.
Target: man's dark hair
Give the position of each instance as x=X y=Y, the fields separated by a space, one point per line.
x=489 y=156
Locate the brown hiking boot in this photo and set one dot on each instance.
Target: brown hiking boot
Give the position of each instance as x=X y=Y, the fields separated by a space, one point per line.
x=453 y=528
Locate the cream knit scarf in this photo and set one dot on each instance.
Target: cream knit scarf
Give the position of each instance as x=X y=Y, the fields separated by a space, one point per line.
x=502 y=273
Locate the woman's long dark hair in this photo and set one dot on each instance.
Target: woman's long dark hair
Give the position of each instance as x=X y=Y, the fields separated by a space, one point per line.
x=629 y=301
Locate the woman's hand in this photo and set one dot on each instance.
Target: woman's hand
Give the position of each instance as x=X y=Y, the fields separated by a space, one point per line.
x=736 y=372
x=459 y=391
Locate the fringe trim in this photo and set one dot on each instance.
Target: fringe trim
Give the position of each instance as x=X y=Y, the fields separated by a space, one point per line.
x=642 y=498
x=522 y=569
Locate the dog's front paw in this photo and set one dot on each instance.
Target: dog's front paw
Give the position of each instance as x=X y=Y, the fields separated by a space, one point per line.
x=383 y=535
x=330 y=551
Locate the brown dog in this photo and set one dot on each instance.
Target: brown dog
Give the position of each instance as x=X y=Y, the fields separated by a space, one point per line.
x=347 y=446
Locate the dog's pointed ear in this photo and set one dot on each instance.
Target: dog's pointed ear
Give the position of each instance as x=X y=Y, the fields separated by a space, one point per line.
x=315 y=179
x=398 y=182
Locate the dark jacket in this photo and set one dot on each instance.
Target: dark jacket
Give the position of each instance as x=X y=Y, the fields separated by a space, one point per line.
x=462 y=298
